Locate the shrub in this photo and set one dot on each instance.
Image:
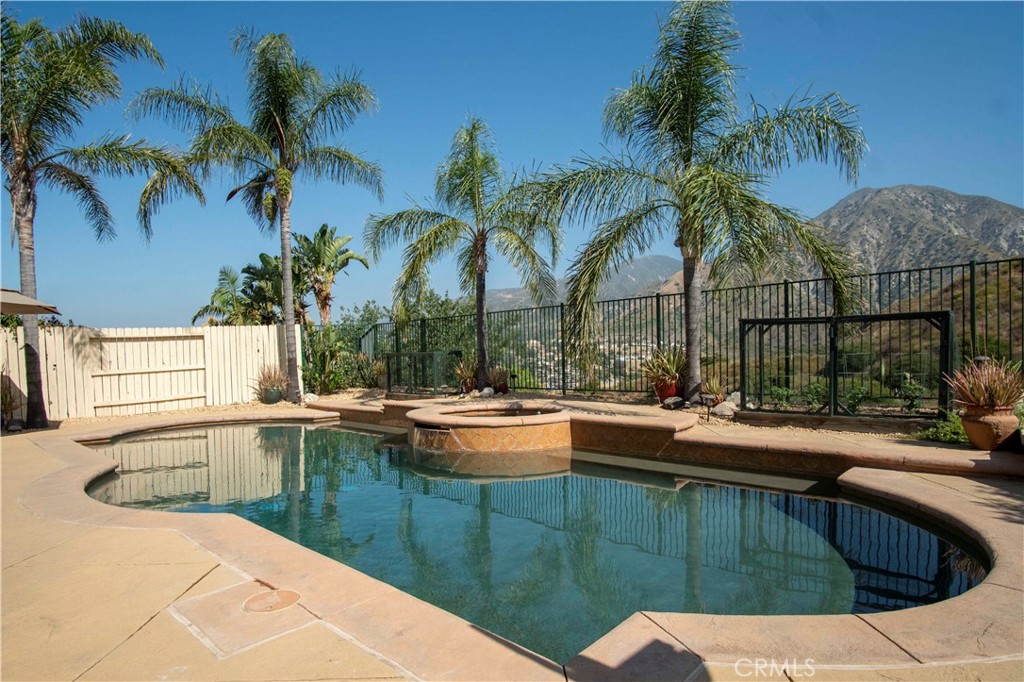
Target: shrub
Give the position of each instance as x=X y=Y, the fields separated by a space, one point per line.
x=910 y=391
x=817 y=394
x=781 y=397
x=948 y=430
x=855 y=397
x=993 y=383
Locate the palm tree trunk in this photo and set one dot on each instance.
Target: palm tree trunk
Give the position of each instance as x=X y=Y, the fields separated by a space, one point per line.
x=23 y=205
x=288 y=298
x=483 y=362
x=693 y=290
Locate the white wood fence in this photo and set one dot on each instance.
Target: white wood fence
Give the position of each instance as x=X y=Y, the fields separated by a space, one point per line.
x=122 y=371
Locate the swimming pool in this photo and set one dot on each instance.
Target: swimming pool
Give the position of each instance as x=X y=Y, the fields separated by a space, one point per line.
x=551 y=562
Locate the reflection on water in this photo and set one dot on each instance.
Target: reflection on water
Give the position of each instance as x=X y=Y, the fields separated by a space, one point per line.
x=551 y=563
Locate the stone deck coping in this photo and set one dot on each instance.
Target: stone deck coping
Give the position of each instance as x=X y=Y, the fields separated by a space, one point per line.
x=827 y=454
x=983 y=625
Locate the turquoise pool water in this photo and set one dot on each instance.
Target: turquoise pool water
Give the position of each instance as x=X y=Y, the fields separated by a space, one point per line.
x=554 y=562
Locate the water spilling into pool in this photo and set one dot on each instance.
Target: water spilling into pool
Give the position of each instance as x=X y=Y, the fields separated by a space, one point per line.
x=552 y=562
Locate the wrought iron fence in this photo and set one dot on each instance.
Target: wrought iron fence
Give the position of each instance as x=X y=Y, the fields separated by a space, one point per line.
x=891 y=364
x=985 y=298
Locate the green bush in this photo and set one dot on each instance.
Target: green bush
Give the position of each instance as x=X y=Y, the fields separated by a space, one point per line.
x=817 y=394
x=855 y=396
x=781 y=397
x=948 y=430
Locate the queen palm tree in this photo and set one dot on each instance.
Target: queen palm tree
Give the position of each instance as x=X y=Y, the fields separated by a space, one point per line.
x=49 y=80
x=474 y=212
x=695 y=169
x=320 y=259
x=294 y=114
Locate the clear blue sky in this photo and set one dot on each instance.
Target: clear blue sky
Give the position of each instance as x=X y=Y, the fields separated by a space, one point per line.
x=940 y=88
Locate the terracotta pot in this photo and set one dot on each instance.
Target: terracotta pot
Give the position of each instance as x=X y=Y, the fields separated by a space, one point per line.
x=665 y=390
x=989 y=427
x=501 y=388
x=468 y=385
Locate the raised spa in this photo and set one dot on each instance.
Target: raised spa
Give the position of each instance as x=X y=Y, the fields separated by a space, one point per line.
x=518 y=427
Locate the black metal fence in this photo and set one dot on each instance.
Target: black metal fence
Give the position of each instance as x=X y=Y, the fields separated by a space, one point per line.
x=986 y=300
x=892 y=363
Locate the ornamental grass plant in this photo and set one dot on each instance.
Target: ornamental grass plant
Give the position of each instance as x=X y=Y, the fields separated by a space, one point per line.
x=994 y=384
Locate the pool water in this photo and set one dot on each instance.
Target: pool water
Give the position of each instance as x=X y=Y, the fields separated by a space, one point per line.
x=551 y=563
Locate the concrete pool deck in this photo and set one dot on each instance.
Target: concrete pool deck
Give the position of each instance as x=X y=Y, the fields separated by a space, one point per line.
x=98 y=592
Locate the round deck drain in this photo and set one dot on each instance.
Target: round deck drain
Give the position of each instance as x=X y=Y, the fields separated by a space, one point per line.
x=274 y=600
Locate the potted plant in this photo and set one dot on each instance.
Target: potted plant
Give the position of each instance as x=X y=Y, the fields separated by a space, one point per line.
x=988 y=391
x=662 y=372
x=498 y=376
x=271 y=384
x=466 y=372
x=380 y=372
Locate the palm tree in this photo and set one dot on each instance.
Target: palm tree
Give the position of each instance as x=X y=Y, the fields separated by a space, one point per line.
x=696 y=170
x=320 y=259
x=474 y=212
x=263 y=289
x=49 y=80
x=228 y=303
x=294 y=114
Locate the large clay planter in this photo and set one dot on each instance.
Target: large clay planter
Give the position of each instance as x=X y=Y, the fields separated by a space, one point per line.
x=989 y=427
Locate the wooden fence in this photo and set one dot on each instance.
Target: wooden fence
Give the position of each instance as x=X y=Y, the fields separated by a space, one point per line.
x=123 y=371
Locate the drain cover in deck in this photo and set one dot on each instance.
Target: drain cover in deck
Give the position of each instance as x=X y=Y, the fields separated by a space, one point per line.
x=273 y=600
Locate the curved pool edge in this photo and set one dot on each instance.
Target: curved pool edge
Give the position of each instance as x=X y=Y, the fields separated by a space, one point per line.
x=979 y=626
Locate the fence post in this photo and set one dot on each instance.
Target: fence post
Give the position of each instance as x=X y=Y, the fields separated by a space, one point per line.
x=657 y=319
x=787 y=354
x=974 y=307
x=561 y=343
x=833 y=361
x=945 y=356
x=744 y=329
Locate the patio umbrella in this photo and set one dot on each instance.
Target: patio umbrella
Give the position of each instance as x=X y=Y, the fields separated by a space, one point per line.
x=15 y=303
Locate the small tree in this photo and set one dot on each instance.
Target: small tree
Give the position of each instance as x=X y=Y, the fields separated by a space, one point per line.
x=320 y=259
x=474 y=213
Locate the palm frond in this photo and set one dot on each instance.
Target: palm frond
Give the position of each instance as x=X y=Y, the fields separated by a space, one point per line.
x=336 y=106
x=822 y=129
x=593 y=190
x=82 y=187
x=470 y=177
x=185 y=105
x=534 y=271
x=413 y=280
x=172 y=180
x=385 y=230
x=615 y=243
x=342 y=166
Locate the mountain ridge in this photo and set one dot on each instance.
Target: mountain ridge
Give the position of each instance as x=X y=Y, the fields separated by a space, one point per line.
x=884 y=229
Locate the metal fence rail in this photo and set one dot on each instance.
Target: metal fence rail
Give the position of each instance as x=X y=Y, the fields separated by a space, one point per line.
x=986 y=300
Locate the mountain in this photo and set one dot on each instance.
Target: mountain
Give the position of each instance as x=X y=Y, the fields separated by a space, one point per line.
x=640 y=277
x=912 y=226
x=893 y=228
